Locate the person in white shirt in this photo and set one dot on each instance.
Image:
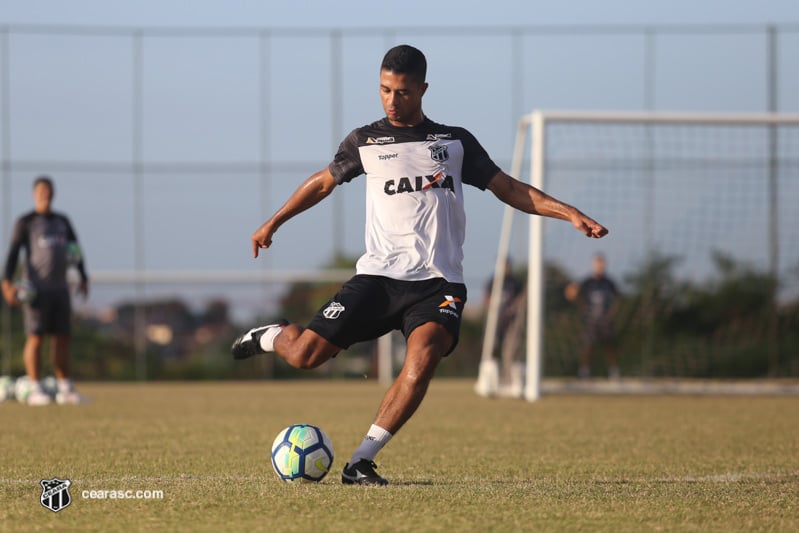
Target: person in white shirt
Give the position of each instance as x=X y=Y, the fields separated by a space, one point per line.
x=410 y=278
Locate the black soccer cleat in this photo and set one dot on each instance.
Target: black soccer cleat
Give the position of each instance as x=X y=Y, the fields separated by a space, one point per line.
x=362 y=473
x=249 y=344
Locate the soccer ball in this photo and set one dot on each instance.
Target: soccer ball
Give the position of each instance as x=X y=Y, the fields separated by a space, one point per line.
x=6 y=388
x=22 y=389
x=302 y=452
x=50 y=386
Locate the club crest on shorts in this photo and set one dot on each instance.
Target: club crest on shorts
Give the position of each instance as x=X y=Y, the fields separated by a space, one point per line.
x=333 y=311
x=439 y=152
x=55 y=494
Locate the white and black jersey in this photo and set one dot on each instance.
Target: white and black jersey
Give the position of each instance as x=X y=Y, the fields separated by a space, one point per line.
x=415 y=220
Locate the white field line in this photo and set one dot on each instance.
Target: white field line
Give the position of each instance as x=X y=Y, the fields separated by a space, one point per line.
x=732 y=477
x=634 y=386
x=728 y=477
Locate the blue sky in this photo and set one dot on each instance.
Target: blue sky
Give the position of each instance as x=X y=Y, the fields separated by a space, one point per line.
x=65 y=108
x=319 y=13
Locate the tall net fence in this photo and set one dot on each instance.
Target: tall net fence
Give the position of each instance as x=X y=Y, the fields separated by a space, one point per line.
x=170 y=145
x=702 y=246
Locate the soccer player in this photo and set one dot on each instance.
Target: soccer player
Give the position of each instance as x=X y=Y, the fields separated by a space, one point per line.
x=410 y=277
x=46 y=237
x=597 y=297
x=512 y=301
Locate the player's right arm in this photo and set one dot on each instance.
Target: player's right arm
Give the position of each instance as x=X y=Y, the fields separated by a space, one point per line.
x=9 y=293
x=529 y=199
x=315 y=189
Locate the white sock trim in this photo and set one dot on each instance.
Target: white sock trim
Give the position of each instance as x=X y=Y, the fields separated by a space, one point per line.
x=379 y=434
x=374 y=441
x=65 y=385
x=267 y=340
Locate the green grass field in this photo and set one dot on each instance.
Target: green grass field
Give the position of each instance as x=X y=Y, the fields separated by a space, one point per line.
x=463 y=463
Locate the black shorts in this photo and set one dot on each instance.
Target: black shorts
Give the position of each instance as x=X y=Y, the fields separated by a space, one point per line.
x=599 y=331
x=49 y=313
x=368 y=307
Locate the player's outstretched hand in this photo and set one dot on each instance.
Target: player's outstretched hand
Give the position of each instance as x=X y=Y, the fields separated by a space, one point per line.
x=588 y=226
x=262 y=238
x=83 y=290
x=9 y=293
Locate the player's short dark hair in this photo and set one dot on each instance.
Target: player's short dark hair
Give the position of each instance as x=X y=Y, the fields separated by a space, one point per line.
x=47 y=180
x=405 y=59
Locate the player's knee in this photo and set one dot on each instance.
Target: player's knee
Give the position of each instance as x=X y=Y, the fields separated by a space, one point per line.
x=303 y=360
x=307 y=359
x=33 y=338
x=308 y=351
x=420 y=366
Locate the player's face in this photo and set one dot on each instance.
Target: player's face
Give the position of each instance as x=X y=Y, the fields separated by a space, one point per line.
x=599 y=266
x=42 y=197
x=402 y=98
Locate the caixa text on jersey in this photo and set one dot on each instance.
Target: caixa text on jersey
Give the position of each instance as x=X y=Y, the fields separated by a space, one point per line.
x=418 y=183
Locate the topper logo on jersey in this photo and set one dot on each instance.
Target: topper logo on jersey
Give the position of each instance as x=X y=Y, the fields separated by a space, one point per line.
x=418 y=184
x=439 y=153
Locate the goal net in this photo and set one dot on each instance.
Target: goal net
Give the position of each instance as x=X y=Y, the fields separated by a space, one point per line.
x=703 y=249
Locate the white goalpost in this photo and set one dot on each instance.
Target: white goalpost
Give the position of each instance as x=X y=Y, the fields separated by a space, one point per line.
x=664 y=158
x=488 y=382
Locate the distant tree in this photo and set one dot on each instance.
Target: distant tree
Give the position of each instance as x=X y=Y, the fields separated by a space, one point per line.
x=737 y=294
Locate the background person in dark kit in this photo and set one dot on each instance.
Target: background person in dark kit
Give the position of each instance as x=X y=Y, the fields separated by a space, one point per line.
x=512 y=302
x=411 y=276
x=597 y=298
x=50 y=245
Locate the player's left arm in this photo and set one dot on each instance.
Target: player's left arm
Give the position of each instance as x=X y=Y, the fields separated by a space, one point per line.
x=531 y=200
x=614 y=306
x=312 y=191
x=83 y=288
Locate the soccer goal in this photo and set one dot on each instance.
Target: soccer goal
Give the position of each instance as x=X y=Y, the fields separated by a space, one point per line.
x=704 y=227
